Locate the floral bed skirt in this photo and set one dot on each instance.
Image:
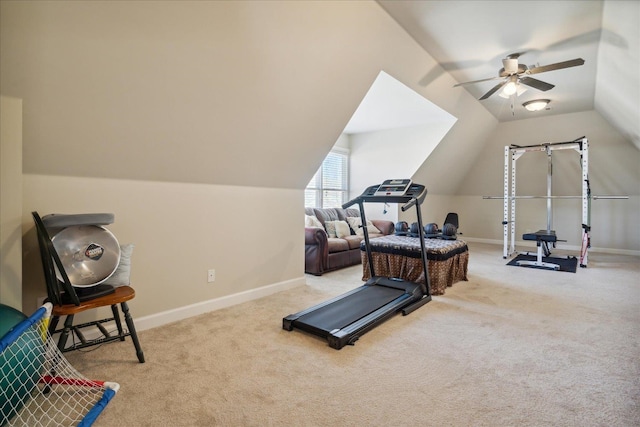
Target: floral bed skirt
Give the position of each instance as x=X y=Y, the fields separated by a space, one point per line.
x=399 y=256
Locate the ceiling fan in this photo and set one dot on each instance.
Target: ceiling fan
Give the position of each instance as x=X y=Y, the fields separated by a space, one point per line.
x=513 y=73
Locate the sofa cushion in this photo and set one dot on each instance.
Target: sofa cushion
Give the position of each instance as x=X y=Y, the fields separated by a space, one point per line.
x=337 y=245
x=353 y=241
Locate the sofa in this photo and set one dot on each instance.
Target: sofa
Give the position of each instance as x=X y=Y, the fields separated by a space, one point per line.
x=332 y=238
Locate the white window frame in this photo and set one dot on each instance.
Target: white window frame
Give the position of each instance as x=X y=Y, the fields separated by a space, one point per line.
x=320 y=191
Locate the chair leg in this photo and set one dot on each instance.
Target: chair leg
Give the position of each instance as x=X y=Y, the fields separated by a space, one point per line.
x=64 y=335
x=116 y=317
x=53 y=324
x=132 y=331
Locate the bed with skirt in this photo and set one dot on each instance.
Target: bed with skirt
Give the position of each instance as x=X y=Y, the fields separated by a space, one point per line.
x=400 y=256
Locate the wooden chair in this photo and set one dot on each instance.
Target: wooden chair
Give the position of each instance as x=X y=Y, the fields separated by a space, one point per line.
x=66 y=302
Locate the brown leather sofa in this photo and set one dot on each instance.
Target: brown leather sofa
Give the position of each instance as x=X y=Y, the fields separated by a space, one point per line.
x=324 y=253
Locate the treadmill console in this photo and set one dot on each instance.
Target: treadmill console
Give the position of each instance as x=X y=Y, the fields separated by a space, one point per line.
x=393 y=187
x=391 y=191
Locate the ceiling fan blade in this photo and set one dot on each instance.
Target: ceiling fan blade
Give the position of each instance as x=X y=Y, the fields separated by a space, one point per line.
x=516 y=55
x=537 y=84
x=478 y=81
x=557 y=66
x=494 y=89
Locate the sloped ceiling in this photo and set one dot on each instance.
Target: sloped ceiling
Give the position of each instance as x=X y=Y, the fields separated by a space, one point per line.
x=226 y=93
x=389 y=104
x=469 y=39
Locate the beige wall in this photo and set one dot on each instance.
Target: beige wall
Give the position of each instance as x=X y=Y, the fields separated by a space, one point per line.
x=249 y=235
x=617 y=95
x=11 y=202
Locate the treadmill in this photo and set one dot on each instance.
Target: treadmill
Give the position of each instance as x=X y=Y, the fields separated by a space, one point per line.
x=343 y=319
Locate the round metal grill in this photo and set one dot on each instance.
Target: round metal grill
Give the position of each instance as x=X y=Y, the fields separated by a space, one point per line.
x=89 y=253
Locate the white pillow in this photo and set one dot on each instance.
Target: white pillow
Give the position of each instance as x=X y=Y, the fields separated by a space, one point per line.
x=356 y=223
x=122 y=275
x=342 y=229
x=312 y=221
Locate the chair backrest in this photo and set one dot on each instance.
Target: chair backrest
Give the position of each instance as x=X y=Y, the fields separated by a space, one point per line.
x=452 y=218
x=50 y=260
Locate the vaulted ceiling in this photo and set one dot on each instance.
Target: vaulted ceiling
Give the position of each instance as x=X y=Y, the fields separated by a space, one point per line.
x=469 y=39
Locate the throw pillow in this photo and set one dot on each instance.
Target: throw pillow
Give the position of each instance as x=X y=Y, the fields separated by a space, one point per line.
x=356 y=225
x=342 y=229
x=122 y=275
x=312 y=221
x=330 y=226
x=372 y=228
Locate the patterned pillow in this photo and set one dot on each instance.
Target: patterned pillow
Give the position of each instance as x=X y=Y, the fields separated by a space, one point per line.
x=356 y=224
x=337 y=228
x=330 y=226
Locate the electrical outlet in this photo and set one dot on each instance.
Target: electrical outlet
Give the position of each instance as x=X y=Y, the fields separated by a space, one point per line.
x=211 y=276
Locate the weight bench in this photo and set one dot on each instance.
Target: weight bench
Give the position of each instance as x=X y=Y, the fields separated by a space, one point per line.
x=542 y=238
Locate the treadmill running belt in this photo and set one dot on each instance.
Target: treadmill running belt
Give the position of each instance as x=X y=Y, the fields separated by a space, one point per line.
x=345 y=311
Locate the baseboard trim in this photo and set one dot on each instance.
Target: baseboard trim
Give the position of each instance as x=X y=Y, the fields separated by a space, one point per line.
x=180 y=313
x=527 y=243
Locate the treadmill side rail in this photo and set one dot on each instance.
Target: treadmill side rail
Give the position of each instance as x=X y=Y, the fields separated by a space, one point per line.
x=416 y=305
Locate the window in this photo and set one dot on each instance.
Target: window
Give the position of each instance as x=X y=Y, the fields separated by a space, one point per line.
x=329 y=186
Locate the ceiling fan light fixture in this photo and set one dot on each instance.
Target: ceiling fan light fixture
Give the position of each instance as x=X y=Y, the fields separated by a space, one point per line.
x=510 y=88
x=520 y=89
x=536 y=104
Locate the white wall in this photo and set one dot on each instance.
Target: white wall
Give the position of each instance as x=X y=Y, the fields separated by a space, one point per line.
x=343 y=142
x=390 y=154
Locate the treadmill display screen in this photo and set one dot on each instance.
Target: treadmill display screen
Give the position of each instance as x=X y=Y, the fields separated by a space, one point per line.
x=393 y=187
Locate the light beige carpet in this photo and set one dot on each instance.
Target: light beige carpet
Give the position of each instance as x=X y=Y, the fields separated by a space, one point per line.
x=511 y=347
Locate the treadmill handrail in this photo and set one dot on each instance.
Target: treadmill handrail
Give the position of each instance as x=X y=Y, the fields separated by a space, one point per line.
x=409 y=201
